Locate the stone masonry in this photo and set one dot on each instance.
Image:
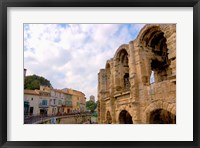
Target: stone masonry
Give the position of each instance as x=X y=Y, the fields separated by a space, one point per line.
x=126 y=94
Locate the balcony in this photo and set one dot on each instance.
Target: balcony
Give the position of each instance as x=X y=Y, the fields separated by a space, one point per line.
x=43 y=105
x=67 y=104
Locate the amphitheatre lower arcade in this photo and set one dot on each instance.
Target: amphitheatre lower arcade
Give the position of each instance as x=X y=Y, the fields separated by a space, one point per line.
x=138 y=85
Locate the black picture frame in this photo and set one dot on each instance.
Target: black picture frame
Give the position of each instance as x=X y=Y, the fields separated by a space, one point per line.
x=4 y=4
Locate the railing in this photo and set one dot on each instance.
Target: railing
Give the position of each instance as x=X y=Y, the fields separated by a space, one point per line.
x=43 y=106
x=35 y=119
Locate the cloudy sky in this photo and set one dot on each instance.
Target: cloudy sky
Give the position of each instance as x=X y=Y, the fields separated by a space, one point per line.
x=70 y=55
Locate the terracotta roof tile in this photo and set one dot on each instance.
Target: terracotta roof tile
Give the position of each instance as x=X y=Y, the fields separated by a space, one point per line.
x=32 y=92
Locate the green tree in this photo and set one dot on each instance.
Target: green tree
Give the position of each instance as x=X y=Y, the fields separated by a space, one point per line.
x=95 y=114
x=33 y=82
x=90 y=105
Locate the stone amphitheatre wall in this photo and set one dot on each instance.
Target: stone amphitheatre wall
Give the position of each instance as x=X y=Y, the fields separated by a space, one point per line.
x=138 y=85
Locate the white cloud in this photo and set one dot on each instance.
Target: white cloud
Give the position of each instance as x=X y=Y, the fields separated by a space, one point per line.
x=71 y=55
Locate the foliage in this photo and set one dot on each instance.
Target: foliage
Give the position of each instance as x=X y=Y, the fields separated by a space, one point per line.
x=95 y=114
x=59 y=121
x=90 y=105
x=34 y=82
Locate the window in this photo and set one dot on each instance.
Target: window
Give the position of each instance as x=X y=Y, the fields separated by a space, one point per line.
x=69 y=103
x=126 y=81
x=60 y=102
x=155 y=42
x=44 y=102
x=122 y=66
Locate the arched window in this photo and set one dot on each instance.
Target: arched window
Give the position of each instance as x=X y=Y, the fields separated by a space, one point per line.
x=155 y=42
x=123 y=69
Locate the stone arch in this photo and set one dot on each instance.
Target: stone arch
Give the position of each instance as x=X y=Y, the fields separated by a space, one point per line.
x=153 y=41
x=158 y=105
x=161 y=116
x=122 y=47
x=121 y=108
x=125 y=117
x=121 y=64
x=169 y=30
x=146 y=29
x=108 y=118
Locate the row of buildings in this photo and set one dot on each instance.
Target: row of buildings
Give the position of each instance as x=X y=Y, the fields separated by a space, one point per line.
x=48 y=101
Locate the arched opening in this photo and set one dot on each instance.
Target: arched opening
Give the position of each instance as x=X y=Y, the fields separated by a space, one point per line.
x=108 y=75
x=154 y=43
x=108 y=118
x=123 y=70
x=125 y=117
x=161 y=116
x=126 y=81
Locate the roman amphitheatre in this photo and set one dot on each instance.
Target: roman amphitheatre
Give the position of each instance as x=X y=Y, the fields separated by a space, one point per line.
x=138 y=84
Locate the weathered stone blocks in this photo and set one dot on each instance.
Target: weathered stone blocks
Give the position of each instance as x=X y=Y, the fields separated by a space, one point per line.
x=145 y=54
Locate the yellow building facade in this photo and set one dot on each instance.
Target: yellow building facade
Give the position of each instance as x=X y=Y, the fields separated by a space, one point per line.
x=78 y=100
